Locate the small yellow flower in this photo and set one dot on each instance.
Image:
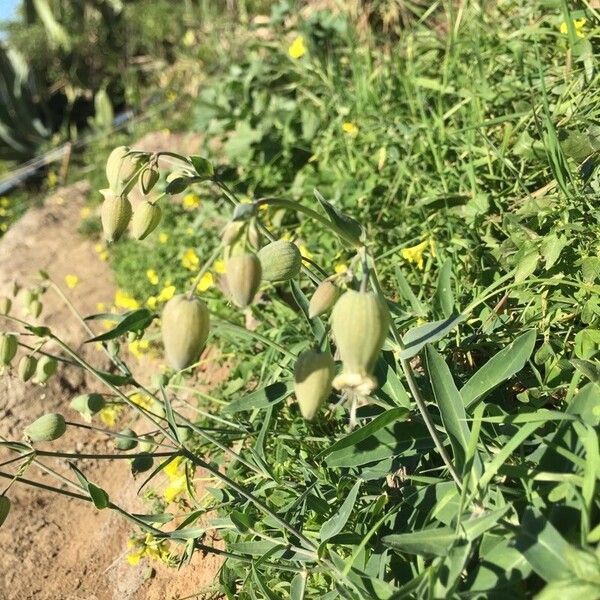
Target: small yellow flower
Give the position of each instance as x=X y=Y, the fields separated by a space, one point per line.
x=110 y=414
x=415 y=253
x=219 y=266
x=139 y=347
x=206 y=282
x=152 y=276
x=85 y=212
x=191 y=201
x=52 y=179
x=297 y=48
x=350 y=128
x=71 y=280
x=142 y=400
x=172 y=470
x=152 y=302
x=175 y=487
x=304 y=251
x=340 y=268
x=5 y=201
x=579 y=25
x=148 y=547
x=189 y=39
x=102 y=252
x=171 y=96
x=190 y=260
x=124 y=300
x=163 y=238
x=100 y=306
x=166 y=293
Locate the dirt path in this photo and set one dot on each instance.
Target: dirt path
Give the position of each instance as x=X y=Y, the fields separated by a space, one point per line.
x=55 y=548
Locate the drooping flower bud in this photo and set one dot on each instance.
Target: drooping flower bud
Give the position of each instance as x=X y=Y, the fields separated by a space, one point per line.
x=313 y=374
x=323 y=299
x=280 y=260
x=115 y=214
x=127 y=442
x=46 y=367
x=359 y=322
x=27 y=366
x=35 y=308
x=87 y=405
x=120 y=168
x=5 y=305
x=8 y=348
x=148 y=179
x=46 y=429
x=244 y=274
x=146 y=218
x=185 y=326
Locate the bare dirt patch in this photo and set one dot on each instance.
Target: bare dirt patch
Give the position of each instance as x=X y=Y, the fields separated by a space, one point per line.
x=53 y=547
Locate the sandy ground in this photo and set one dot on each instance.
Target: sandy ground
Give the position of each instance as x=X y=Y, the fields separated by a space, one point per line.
x=53 y=547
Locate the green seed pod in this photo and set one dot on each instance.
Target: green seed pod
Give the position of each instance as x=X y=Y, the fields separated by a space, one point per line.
x=313 y=374
x=5 y=305
x=147 y=443
x=280 y=261
x=185 y=326
x=126 y=442
x=231 y=232
x=35 y=309
x=8 y=348
x=115 y=214
x=4 y=509
x=148 y=179
x=87 y=405
x=141 y=463
x=46 y=429
x=27 y=366
x=29 y=296
x=119 y=168
x=323 y=299
x=244 y=273
x=46 y=367
x=359 y=322
x=146 y=218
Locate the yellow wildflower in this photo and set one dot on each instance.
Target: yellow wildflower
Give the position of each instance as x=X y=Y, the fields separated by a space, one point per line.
x=190 y=259
x=340 y=268
x=350 y=128
x=100 y=306
x=152 y=302
x=71 y=280
x=124 y=300
x=171 y=96
x=152 y=276
x=206 y=281
x=191 y=201
x=189 y=39
x=52 y=179
x=304 y=251
x=85 y=212
x=110 y=413
x=219 y=266
x=297 y=48
x=415 y=253
x=149 y=547
x=5 y=201
x=163 y=238
x=166 y=293
x=175 y=471
x=139 y=347
x=579 y=25
x=142 y=400
x=172 y=470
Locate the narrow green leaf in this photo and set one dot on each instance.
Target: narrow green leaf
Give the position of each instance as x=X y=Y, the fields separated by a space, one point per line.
x=351 y=227
x=542 y=546
x=264 y=397
x=335 y=524
x=428 y=333
x=450 y=405
x=417 y=307
x=136 y=320
x=444 y=298
x=298 y=586
x=427 y=542
x=499 y=368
